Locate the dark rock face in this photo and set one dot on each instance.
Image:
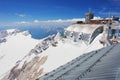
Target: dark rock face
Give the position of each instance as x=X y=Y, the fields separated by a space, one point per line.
x=2 y=40
x=3 y=33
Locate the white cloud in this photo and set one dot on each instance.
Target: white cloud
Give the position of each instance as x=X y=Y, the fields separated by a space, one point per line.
x=36 y=21
x=23 y=22
x=45 y=23
x=20 y=15
x=67 y=20
x=52 y=23
x=20 y=23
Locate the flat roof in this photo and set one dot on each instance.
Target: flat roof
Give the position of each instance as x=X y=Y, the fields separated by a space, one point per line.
x=85 y=28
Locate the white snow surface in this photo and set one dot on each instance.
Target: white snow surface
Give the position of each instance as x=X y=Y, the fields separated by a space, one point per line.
x=16 y=47
x=66 y=51
x=19 y=45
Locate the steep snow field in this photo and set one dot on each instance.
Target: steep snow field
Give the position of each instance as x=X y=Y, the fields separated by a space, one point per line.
x=20 y=44
x=15 y=48
x=66 y=51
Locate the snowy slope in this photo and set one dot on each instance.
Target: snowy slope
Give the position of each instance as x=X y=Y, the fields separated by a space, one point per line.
x=65 y=52
x=38 y=57
x=14 y=49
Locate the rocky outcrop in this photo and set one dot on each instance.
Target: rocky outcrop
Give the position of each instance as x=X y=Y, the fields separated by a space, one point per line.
x=6 y=33
x=29 y=71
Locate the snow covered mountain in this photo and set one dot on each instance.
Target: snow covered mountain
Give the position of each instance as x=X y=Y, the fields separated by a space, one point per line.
x=24 y=58
x=13 y=46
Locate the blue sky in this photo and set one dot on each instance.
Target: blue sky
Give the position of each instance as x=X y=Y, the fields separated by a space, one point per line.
x=30 y=10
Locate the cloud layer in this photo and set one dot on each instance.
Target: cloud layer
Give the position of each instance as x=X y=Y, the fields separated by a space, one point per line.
x=48 y=23
x=20 y=15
